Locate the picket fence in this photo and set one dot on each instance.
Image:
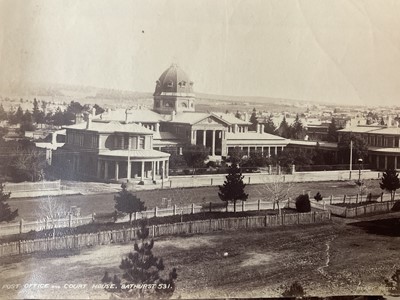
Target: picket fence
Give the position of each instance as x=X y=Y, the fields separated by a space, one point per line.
x=24 y=226
x=347 y=212
x=127 y=234
x=207 y=207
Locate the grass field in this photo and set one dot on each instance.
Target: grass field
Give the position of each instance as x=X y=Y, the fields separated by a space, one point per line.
x=327 y=259
x=104 y=203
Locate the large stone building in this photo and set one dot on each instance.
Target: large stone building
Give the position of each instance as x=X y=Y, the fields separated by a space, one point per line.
x=383 y=144
x=136 y=143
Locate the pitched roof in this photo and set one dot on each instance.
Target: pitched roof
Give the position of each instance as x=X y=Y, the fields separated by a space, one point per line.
x=134 y=115
x=230 y=118
x=112 y=126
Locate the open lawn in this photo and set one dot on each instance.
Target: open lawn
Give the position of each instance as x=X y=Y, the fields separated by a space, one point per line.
x=104 y=203
x=327 y=259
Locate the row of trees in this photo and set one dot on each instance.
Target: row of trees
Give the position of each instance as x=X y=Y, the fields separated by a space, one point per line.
x=39 y=114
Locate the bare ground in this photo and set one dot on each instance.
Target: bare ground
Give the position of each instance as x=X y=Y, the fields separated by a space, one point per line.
x=327 y=259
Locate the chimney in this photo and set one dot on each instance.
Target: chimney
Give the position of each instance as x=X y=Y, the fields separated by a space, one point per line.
x=93 y=112
x=157 y=127
x=389 y=121
x=246 y=117
x=89 y=121
x=258 y=128
x=78 y=118
x=262 y=128
x=173 y=113
x=127 y=113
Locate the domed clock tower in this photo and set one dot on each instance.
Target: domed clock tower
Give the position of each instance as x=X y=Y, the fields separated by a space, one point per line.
x=174 y=92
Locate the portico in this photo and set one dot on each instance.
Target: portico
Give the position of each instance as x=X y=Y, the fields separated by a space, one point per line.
x=147 y=165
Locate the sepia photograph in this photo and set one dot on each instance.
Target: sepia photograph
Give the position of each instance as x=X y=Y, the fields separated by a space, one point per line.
x=200 y=149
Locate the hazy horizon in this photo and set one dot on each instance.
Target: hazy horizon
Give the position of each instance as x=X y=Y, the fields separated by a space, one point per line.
x=325 y=51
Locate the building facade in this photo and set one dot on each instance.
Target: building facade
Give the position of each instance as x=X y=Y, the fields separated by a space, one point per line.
x=136 y=143
x=383 y=144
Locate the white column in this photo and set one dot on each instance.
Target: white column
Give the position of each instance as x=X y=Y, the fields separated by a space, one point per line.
x=248 y=151
x=157 y=171
x=385 y=162
x=213 y=143
x=116 y=170
x=262 y=151
x=142 y=171
x=105 y=169
x=153 y=170
x=395 y=162
x=162 y=169
x=204 y=137
x=128 y=170
x=276 y=150
x=194 y=137
x=166 y=168
x=269 y=151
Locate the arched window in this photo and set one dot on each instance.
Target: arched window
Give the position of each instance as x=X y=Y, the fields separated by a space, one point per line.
x=183 y=104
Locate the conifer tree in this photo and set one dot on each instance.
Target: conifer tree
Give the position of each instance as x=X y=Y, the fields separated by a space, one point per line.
x=269 y=126
x=128 y=203
x=390 y=182
x=142 y=267
x=284 y=129
x=253 y=120
x=6 y=214
x=297 y=131
x=233 y=187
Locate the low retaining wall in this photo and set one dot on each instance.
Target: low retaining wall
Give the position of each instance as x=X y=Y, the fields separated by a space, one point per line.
x=125 y=235
x=259 y=178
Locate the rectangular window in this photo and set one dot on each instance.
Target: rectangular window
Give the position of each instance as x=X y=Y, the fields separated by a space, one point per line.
x=141 y=142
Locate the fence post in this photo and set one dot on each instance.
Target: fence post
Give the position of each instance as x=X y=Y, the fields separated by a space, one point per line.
x=258 y=204
x=211 y=181
x=249 y=180
x=344 y=199
x=243 y=205
x=155 y=212
x=192 y=208
x=21 y=225
x=174 y=210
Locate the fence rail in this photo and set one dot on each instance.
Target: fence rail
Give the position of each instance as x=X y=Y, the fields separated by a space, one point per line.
x=23 y=226
x=125 y=235
x=32 y=186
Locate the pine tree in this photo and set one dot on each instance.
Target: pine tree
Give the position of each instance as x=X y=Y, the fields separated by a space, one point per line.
x=128 y=203
x=238 y=114
x=142 y=267
x=297 y=131
x=35 y=110
x=390 y=182
x=3 y=113
x=233 y=187
x=269 y=126
x=284 y=129
x=6 y=214
x=253 y=120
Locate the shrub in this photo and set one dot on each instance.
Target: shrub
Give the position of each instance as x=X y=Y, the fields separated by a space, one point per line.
x=211 y=164
x=303 y=203
x=318 y=197
x=295 y=290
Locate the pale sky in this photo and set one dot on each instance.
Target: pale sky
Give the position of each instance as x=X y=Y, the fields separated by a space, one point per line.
x=324 y=50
